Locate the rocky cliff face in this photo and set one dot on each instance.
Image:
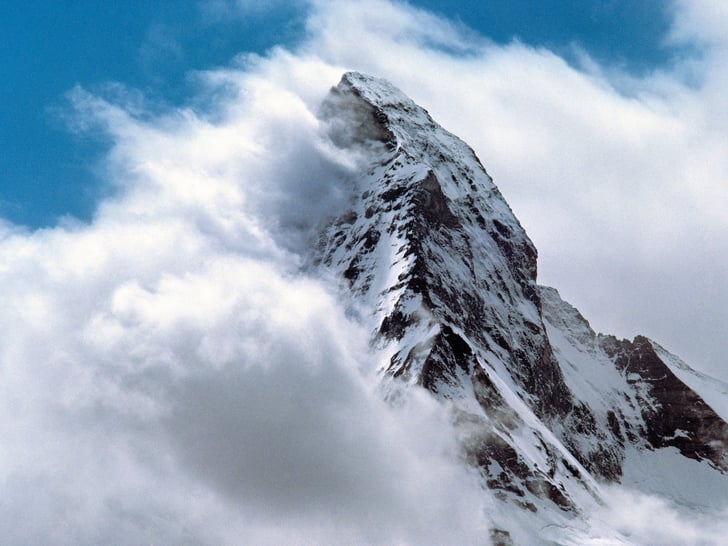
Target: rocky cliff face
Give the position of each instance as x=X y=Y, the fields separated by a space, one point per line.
x=437 y=264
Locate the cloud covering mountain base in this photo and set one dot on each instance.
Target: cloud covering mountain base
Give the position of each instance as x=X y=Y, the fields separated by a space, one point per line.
x=167 y=368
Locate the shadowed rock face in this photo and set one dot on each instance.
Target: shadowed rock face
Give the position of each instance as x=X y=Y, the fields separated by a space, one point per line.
x=674 y=414
x=446 y=277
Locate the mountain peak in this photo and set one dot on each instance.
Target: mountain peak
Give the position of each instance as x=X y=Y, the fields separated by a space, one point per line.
x=377 y=91
x=408 y=150
x=436 y=263
x=375 y=110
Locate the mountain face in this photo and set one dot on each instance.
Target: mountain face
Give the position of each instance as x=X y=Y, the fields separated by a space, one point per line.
x=547 y=411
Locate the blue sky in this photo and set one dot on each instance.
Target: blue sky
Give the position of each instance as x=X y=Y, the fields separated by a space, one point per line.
x=48 y=47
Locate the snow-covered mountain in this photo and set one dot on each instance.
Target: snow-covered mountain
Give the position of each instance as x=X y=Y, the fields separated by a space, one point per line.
x=548 y=412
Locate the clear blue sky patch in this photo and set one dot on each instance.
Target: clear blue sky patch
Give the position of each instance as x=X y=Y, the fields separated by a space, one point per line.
x=49 y=46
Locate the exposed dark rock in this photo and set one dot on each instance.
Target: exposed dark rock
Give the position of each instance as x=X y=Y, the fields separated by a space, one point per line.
x=492 y=402
x=614 y=425
x=499 y=537
x=395 y=324
x=674 y=414
x=449 y=352
x=433 y=203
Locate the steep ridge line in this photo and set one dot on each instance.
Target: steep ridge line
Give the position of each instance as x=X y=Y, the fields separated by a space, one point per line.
x=546 y=409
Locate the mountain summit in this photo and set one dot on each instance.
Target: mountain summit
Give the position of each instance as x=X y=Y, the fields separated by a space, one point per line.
x=547 y=411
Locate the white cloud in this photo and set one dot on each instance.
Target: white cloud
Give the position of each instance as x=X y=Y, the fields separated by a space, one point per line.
x=646 y=519
x=239 y=9
x=153 y=382
x=168 y=374
x=699 y=21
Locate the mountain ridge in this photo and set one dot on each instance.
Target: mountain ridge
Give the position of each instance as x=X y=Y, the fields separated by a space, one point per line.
x=545 y=408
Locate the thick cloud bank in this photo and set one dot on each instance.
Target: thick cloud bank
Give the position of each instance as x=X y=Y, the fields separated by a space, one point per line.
x=168 y=374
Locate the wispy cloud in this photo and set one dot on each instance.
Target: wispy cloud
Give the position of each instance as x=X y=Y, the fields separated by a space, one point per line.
x=648 y=519
x=170 y=376
x=161 y=47
x=224 y=9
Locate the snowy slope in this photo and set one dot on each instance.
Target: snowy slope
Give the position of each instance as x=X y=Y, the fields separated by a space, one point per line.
x=713 y=391
x=669 y=441
x=433 y=260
